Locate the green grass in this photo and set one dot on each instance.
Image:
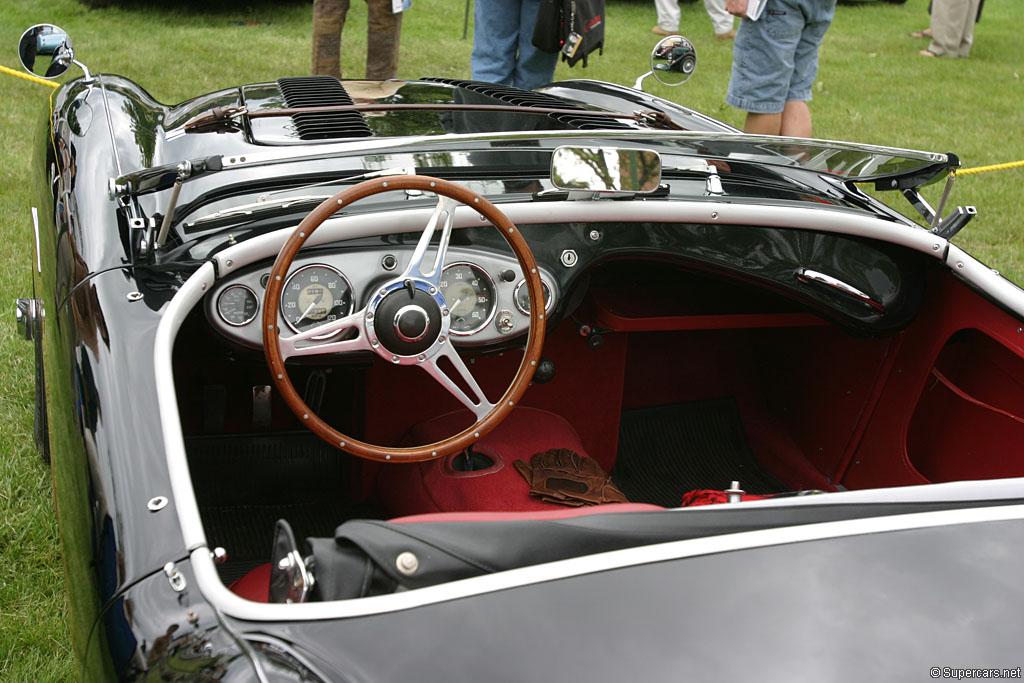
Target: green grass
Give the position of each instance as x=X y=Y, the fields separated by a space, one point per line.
x=872 y=88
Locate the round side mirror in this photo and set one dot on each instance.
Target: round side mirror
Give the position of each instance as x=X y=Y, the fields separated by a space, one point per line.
x=46 y=50
x=673 y=60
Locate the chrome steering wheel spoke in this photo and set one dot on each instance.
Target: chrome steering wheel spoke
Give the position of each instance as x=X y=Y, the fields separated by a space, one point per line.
x=480 y=405
x=444 y=213
x=323 y=339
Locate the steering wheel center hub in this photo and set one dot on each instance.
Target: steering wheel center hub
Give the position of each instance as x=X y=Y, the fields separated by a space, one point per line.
x=407 y=321
x=411 y=323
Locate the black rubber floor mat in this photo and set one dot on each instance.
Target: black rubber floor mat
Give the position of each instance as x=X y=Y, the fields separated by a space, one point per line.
x=244 y=484
x=668 y=450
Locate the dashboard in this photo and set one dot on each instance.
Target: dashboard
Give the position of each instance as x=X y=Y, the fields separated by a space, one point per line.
x=485 y=291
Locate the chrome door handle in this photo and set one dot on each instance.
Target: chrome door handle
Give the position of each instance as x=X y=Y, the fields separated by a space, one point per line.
x=808 y=276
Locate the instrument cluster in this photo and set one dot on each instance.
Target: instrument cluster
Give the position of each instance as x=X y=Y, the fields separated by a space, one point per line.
x=485 y=291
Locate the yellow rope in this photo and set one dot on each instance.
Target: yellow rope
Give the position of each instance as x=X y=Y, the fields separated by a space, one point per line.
x=993 y=167
x=27 y=77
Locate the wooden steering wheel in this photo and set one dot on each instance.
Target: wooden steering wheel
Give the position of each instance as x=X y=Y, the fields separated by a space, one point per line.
x=406 y=321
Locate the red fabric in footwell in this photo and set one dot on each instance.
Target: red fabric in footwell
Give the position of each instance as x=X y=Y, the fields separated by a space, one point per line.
x=407 y=489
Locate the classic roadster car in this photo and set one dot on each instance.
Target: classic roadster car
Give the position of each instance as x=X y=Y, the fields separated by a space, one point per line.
x=443 y=380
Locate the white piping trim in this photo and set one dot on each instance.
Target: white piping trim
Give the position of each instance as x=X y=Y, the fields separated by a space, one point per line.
x=39 y=256
x=834 y=220
x=838 y=221
x=215 y=591
x=986 y=279
x=190 y=294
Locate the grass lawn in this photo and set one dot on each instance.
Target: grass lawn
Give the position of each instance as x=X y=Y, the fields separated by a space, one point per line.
x=872 y=87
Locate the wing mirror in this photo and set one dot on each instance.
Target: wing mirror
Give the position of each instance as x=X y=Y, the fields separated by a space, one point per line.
x=46 y=51
x=673 y=61
x=605 y=169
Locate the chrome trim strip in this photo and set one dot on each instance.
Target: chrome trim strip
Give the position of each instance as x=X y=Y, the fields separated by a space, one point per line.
x=380 y=144
x=218 y=594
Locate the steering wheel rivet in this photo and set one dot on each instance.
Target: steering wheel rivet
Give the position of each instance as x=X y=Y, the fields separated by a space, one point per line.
x=533 y=362
x=270 y=327
x=369 y=315
x=440 y=340
x=476 y=435
x=339 y=202
x=394 y=359
x=278 y=277
x=302 y=234
x=280 y=376
x=305 y=416
x=433 y=454
x=374 y=343
x=476 y=200
x=341 y=444
x=541 y=316
x=433 y=290
x=444 y=311
x=421 y=358
x=432 y=183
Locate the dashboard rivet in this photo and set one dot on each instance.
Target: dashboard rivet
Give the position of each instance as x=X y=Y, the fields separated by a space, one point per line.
x=595 y=235
x=960 y=264
x=935 y=247
x=407 y=563
x=156 y=503
x=229 y=263
x=204 y=286
x=134 y=296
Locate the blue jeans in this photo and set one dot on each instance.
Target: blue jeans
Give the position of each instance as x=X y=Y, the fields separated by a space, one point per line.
x=502 y=51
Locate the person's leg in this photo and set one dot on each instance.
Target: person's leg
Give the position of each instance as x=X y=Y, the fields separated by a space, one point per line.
x=495 y=40
x=668 y=15
x=949 y=20
x=762 y=65
x=763 y=124
x=328 y=20
x=967 y=39
x=796 y=116
x=796 y=120
x=534 y=68
x=383 y=34
x=721 y=20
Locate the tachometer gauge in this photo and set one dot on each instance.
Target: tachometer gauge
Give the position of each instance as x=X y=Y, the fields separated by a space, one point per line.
x=315 y=295
x=237 y=305
x=469 y=292
x=522 y=296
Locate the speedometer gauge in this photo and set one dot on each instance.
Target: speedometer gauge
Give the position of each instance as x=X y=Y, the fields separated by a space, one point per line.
x=315 y=295
x=469 y=292
x=237 y=305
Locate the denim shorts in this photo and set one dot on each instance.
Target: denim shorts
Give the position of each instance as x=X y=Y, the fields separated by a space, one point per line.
x=775 y=58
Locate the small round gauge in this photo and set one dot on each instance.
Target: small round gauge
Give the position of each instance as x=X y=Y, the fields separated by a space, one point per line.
x=521 y=295
x=237 y=305
x=314 y=295
x=469 y=292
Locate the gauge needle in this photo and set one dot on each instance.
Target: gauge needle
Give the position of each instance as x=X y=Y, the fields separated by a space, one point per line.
x=456 y=304
x=308 y=309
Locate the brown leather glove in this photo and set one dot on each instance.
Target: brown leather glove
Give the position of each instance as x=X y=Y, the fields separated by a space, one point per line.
x=563 y=476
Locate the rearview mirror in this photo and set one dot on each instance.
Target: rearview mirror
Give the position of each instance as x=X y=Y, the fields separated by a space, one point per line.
x=46 y=51
x=604 y=169
x=673 y=61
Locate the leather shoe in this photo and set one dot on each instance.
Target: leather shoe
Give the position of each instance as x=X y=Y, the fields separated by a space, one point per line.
x=662 y=32
x=728 y=35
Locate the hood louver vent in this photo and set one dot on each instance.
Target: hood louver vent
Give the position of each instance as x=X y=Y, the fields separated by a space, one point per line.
x=322 y=91
x=528 y=98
